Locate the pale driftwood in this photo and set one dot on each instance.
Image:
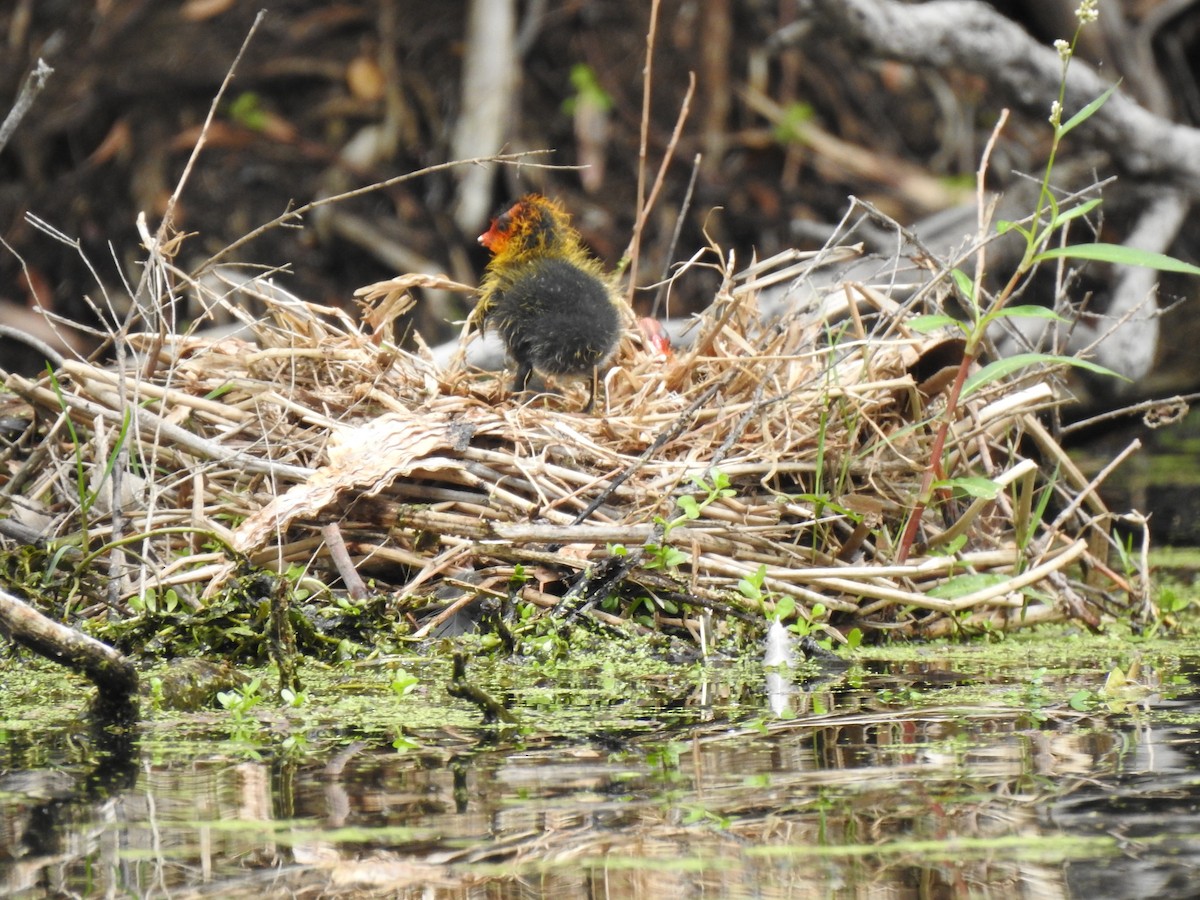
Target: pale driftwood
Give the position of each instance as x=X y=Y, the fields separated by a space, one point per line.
x=974 y=36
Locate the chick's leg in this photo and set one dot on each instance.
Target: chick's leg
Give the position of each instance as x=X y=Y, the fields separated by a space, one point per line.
x=593 y=387
x=521 y=381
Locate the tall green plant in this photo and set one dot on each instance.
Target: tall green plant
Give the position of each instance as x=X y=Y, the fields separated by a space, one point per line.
x=1049 y=219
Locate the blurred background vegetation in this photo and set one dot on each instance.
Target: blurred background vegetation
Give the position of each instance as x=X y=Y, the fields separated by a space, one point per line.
x=787 y=120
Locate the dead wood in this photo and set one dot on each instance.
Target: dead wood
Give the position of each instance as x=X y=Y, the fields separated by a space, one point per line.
x=976 y=38
x=113 y=674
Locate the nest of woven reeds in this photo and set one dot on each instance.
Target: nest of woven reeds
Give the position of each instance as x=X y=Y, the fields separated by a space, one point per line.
x=768 y=463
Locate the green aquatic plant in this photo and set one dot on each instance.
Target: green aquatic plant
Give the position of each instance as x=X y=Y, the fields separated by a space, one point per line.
x=660 y=554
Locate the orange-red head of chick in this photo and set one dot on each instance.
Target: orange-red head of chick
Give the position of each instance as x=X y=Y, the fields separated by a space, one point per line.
x=544 y=294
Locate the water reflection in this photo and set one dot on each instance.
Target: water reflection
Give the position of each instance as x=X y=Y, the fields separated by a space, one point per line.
x=1151 y=809
x=865 y=788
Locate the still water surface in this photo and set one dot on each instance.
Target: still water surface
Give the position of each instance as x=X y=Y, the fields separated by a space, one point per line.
x=944 y=774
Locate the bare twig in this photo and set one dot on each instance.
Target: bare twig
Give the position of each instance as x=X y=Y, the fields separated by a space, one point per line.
x=24 y=337
x=643 y=145
x=33 y=85
x=660 y=176
x=1176 y=405
x=684 y=207
x=167 y=223
x=342 y=561
x=295 y=214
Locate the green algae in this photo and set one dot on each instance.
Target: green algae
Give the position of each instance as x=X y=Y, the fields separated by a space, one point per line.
x=629 y=748
x=574 y=685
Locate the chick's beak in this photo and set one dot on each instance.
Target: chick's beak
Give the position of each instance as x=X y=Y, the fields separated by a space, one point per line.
x=490 y=237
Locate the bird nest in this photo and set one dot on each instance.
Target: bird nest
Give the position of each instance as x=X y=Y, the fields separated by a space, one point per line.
x=767 y=465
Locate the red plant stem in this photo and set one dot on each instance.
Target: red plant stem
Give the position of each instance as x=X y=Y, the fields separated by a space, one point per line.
x=934 y=469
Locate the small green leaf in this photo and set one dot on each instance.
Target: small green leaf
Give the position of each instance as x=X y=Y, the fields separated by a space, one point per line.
x=790 y=128
x=1002 y=368
x=1087 y=112
x=588 y=91
x=247 y=110
x=1029 y=311
x=1003 y=226
x=1116 y=681
x=404 y=682
x=951 y=548
x=962 y=585
x=1118 y=254
x=972 y=486
x=785 y=608
x=751 y=586
x=964 y=282
x=1052 y=203
x=584 y=79
x=928 y=323
x=1081 y=701
x=673 y=559
x=1076 y=211
x=1169 y=601
x=217 y=393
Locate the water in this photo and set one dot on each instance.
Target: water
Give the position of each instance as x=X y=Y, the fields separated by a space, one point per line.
x=975 y=771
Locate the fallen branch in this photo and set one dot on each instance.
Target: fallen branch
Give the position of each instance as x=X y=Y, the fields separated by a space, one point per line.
x=974 y=37
x=114 y=676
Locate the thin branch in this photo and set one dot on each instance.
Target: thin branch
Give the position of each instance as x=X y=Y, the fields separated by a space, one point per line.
x=661 y=296
x=647 y=80
x=24 y=337
x=34 y=82
x=1176 y=408
x=164 y=226
x=507 y=158
x=114 y=675
x=644 y=210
